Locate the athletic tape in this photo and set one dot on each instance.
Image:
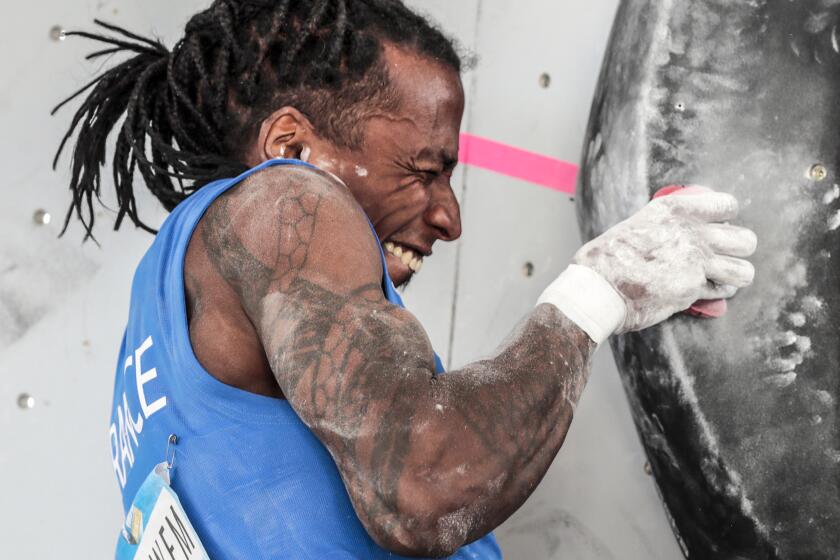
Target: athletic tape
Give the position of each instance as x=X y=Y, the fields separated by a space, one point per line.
x=521 y=164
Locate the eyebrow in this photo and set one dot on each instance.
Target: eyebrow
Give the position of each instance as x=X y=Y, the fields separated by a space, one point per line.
x=443 y=157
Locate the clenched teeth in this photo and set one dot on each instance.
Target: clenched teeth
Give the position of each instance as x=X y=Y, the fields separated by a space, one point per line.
x=408 y=257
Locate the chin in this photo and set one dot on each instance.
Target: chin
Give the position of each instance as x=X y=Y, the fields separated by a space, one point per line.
x=399 y=276
x=400 y=273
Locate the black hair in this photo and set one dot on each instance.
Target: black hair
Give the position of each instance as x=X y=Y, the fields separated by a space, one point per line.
x=189 y=112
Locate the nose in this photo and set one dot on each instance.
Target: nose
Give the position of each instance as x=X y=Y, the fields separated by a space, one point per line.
x=444 y=213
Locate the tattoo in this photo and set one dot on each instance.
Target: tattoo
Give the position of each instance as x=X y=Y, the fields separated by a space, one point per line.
x=360 y=373
x=246 y=273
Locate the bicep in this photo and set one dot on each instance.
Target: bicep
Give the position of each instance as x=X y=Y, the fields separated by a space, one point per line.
x=338 y=356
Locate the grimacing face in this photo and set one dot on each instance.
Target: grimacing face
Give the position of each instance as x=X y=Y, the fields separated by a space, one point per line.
x=401 y=176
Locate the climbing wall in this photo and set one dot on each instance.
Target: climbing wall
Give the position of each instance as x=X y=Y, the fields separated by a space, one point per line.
x=63 y=304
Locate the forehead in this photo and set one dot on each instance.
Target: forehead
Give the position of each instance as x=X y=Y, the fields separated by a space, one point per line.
x=430 y=93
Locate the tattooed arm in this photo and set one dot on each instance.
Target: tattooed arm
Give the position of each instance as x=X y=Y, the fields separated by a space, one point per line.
x=430 y=463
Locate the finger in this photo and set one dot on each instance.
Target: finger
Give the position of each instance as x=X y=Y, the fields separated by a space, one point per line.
x=679 y=190
x=694 y=189
x=714 y=291
x=733 y=241
x=706 y=206
x=730 y=271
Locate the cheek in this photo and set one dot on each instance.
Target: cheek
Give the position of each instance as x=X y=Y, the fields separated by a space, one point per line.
x=389 y=198
x=406 y=204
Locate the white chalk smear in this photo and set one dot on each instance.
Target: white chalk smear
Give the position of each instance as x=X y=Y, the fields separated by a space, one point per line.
x=832 y=194
x=782 y=380
x=803 y=344
x=825 y=398
x=834 y=221
x=685 y=379
x=788 y=338
x=812 y=305
x=797 y=319
x=786 y=365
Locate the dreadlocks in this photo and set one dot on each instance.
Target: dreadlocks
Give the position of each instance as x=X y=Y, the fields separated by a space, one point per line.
x=190 y=112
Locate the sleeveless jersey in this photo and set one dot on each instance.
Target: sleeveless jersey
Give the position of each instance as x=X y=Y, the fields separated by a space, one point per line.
x=254 y=480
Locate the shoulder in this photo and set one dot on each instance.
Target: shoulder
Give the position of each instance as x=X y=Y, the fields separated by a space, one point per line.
x=292 y=220
x=281 y=193
x=279 y=182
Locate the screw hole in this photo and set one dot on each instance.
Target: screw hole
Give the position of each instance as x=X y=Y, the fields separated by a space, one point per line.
x=26 y=401
x=528 y=269
x=41 y=217
x=57 y=33
x=545 y=80
x=818 y=172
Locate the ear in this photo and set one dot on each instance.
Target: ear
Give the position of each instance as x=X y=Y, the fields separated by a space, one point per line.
x=284 y=134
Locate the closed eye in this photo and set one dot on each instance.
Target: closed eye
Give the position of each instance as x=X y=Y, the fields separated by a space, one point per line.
x=427 y=175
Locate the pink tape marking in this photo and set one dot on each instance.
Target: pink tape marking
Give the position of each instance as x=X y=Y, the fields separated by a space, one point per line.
x=521 y=164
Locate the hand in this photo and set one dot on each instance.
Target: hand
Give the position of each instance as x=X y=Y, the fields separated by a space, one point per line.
x=672 y=253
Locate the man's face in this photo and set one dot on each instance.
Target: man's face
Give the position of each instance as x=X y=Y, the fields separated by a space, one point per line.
x=402 y=174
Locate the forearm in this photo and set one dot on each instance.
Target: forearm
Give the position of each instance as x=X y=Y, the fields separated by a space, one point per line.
x=432 y=462
x=481 y=438
x=508 y=417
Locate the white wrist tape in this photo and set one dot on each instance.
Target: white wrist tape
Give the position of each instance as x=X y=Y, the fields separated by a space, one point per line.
x=588 y=300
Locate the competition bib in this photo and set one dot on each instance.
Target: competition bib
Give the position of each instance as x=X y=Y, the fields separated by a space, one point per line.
x=156 y=527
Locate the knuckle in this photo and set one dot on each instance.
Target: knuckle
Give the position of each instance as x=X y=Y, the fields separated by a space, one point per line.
x=663 y=205
x=668 y=203
x=656 y=207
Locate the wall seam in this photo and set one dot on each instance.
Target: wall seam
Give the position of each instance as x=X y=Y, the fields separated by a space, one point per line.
x=459 y=248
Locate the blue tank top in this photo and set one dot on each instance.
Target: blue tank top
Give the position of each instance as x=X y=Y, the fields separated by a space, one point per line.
x=254 y=480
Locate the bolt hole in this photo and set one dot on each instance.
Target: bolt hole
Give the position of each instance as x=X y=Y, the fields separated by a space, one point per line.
x=41 y=217
x=818 y=172
x=545 y=80
x=57 y=33
x=26 y=401
x=528 y=269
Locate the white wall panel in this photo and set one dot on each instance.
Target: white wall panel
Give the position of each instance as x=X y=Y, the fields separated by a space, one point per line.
x=63 y=305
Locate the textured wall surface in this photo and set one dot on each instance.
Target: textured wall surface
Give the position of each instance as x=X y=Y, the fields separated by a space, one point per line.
x=739 y=415
x=63 y=304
